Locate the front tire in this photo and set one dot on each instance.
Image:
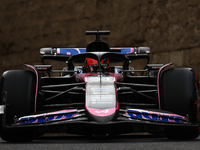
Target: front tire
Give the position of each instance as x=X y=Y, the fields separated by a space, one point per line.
x=17 y=88
x=179 y=95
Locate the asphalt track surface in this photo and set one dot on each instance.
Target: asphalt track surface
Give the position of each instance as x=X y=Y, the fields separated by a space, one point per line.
x=123 y=142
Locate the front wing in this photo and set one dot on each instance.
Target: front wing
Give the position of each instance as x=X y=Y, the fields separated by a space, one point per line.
x=128 y=116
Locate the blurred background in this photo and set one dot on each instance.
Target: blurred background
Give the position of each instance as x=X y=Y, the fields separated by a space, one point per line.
x=170 y=27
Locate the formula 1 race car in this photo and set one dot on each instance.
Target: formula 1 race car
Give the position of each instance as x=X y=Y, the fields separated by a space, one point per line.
x=98 y=93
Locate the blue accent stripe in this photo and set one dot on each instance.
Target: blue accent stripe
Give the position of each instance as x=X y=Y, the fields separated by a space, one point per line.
x=31 y=120
x=74 y=51
x=48 y=117
x=125 y=51
x=154 y=116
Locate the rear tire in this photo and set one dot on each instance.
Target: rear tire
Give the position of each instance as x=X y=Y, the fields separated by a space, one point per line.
x=18 y=87
x=179 y=95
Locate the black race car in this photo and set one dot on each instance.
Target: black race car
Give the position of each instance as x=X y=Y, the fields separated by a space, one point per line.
x=98 y=93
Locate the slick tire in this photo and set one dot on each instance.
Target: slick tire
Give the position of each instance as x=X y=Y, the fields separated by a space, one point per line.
x=179 y=96
x=17 y=89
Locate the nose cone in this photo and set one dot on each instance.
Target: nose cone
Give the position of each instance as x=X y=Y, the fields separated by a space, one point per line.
x=102 y=115
x=101 y=100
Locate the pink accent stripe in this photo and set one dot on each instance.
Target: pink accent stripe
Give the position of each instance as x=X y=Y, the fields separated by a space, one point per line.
x=117 y=103
x=36 y=89
x=158 y=77
x=117 y=108
x=52 y=113
x=154 y=112
x=86 y=108
x=102 y=112
x=58 y=50
x=132 y=50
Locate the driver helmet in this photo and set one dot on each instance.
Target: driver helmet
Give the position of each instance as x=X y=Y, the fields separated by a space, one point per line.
x=91 y=65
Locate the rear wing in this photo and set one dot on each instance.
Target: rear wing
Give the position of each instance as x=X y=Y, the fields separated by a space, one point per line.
x=63 y=54
x=74 y=51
